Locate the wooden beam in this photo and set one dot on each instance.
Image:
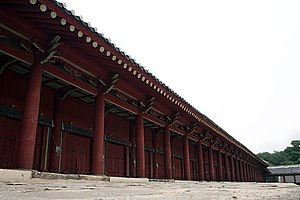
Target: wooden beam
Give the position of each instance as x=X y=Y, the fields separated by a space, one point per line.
x=177 y=130
x=149 y=103
x=110 y=82
x=129 y=90
x=64 y=76
x=20 y=27
x=81 y=62
x=16 y=53
x=154 y=120
x=114 y=100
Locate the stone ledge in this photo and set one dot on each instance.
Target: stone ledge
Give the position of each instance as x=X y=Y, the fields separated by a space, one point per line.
x=162 y=180
x=15 y=175
x=128 y=180
x=53 y=176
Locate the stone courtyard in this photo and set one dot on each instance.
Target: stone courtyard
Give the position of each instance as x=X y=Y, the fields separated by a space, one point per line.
x=60 y=187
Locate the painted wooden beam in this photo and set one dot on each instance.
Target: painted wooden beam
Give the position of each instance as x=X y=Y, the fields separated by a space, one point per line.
x=114 y=100
x=72 y=80
x=16 y=53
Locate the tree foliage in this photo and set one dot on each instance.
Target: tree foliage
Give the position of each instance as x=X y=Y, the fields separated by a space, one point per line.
x=289 y=156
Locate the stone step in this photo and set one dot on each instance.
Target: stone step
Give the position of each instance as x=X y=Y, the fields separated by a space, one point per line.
x=15 y=175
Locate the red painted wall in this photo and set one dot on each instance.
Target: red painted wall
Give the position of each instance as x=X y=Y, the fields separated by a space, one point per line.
x=177 y=149
x=115 y=156
x=76 y=154
x=160 y=156
x=13 y=92
x=116 y=127
x=78 y=112
x=148 y=137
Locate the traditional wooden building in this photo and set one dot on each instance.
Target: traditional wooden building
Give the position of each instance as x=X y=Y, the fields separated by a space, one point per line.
x=284 y=174
x=73 y=102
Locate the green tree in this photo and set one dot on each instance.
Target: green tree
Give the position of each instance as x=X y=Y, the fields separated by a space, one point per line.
x=289 y=156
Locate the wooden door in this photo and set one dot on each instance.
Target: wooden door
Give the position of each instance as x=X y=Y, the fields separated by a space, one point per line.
x=9 y=141
x=76 y=154
x=178 y=168
x=115 y=159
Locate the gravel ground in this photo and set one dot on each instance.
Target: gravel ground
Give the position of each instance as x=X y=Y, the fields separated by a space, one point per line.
x=83 y=189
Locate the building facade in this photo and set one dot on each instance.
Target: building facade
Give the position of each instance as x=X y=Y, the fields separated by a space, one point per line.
x=284 y=174
x=73 y=102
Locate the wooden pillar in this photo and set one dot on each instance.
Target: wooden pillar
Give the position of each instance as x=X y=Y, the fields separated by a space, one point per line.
x=238 y=177
x=211 y=163
x=200 y=161
x=127 y=161
x=55 y=141
x=27 y=136
x=151 y=164
x=168 y=154
x=132 y=158
x=245 y=171
x=232 y=170
x=98 y=137
x=227 y=175
x=140 y=145
x=248 y=172
x=252 y=173
x=186 y=155
x=241 y=170
x=155 y=164
x=220 y=166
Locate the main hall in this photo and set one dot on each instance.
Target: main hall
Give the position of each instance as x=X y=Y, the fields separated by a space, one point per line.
x=72 y=102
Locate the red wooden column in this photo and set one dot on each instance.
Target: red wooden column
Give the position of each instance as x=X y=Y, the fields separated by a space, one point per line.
x=30 y=118
x=55 y=147
x=140 y=145
x=227 y=175
x=245 y=172
x=186 y=155
x=200 y=161
x=220 y=166
x=155 y=166
x=151 y=165
x=255 y=174
x=241 y=170
x=232 y=170
x=168 y=154
x=127 y=161
x=98 y=137
x=248 y=172
x=252 y=173
x=238 y=177
x=132 y=160
x=211 y=163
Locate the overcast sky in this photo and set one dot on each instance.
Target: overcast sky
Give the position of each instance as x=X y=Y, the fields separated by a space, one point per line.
x=238 y=62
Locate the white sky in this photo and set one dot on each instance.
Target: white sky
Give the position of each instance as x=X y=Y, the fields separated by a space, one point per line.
x=238 y=62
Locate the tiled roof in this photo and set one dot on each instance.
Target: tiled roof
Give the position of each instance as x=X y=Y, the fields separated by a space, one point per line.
x=281 y=170
x=133 y=61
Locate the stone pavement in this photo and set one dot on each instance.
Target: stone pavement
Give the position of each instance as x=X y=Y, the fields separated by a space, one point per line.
x=122 y=188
